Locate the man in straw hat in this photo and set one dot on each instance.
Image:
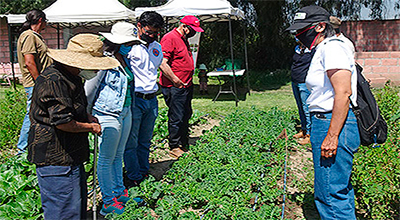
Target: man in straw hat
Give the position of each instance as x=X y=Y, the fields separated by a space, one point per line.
x=58 y=136
x=176 y=81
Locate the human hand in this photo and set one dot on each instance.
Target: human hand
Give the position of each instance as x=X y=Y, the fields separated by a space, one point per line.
x=92 y=119
x=329 y=146
x=178 y=83
x=96 y=128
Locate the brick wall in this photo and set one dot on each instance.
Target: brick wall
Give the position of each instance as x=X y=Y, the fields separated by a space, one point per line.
x=378 y=48
x=380 y=67
x=373 y=35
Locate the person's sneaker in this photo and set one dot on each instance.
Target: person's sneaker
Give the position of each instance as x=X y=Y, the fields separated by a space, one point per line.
x=115 y=207
x=299 y=135
x=305 y=140
x=124 y=198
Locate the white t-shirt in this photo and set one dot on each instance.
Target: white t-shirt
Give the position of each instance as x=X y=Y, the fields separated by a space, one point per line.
x=331 y=53
x=144 y=62
x=348 y=42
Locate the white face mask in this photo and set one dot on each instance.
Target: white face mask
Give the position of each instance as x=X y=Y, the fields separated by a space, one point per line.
x=88 y=74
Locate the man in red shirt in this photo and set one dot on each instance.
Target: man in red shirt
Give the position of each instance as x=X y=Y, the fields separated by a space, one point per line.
x=176 y=81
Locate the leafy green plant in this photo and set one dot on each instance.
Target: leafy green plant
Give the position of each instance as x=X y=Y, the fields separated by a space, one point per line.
x=222 y=173
x=12 y=108
x=19 y=190
x=377 y=170
x=160 y=133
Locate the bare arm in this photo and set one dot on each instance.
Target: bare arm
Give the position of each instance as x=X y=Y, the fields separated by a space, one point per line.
x=341 y=82
x=167 y=71
x=31 y=65
x=76 y=127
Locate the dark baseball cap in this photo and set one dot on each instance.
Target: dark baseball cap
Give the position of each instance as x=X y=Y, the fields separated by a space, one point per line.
x=308 y=15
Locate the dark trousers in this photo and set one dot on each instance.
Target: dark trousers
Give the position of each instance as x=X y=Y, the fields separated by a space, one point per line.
x=179 y=102
x=63 y=191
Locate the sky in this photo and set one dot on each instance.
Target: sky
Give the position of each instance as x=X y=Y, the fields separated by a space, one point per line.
x=389 y=13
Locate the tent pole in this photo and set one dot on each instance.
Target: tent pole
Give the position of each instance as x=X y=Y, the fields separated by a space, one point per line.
x=58 y=36
x=10 y=45
x=245 y=56
x=233 y=63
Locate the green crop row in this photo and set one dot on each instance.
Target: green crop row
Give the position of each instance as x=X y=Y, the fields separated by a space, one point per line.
x=222 y=175
x=19 y=190
x=376 y=176
x=12 y=108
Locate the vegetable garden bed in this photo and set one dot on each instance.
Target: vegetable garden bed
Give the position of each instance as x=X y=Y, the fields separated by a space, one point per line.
x=220 y=177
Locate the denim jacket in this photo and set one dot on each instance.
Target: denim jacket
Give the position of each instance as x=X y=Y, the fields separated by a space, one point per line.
x=106 y=92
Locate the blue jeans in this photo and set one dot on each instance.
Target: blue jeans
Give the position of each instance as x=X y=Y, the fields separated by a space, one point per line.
x=115 y=131
x=63 y=191
x=333 y=192
x=23 y=135
x=136 y=156
x=179 y=102
x=301 y=94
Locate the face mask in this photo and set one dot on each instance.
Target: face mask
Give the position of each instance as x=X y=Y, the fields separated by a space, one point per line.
x=124 y=50
x=308 y=37
x=87 y=74
x=191 y=33
x=147 y=38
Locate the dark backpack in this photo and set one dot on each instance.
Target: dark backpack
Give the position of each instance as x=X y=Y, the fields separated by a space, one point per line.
x=371 y=125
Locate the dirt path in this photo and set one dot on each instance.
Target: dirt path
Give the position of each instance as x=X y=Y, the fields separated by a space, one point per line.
x=300 y=184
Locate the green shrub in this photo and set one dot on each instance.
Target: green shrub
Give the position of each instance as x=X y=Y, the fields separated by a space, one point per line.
x=12 y=108
x=377 y=170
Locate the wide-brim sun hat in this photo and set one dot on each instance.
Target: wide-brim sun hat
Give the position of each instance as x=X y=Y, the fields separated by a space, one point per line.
x=84 y=51
x=193 y=22
x=307 y=16
x=122 y=32
x=335 y=22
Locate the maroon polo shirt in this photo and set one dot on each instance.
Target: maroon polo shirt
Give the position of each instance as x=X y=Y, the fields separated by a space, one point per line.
x=176 y=50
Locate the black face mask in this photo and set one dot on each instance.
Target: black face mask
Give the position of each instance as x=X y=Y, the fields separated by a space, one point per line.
x=191 y=33
x=147 y=38
x=308 y=37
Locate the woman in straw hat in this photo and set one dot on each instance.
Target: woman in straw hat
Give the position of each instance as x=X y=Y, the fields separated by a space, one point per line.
x=58 y=137
x=110 y=99
x=332 y=81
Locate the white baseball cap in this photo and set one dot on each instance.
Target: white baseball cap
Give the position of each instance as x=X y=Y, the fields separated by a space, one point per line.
x=122 y=32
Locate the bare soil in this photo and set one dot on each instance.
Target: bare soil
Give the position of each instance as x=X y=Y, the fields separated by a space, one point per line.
x=299 y=184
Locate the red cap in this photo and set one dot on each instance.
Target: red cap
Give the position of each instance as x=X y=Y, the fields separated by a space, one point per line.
x=193 y=22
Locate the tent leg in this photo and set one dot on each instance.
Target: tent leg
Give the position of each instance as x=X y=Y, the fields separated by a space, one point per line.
x=58 y=36
x=245 y=56
x=10 y=45
x=233 y=63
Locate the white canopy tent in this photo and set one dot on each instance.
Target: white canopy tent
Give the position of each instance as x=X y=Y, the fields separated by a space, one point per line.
x=206 y=11
x=82 y=12
x=75 y=13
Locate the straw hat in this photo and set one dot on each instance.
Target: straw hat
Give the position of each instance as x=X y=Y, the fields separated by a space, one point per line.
x=122 y=32
x=84 y=51
x=335 y=22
